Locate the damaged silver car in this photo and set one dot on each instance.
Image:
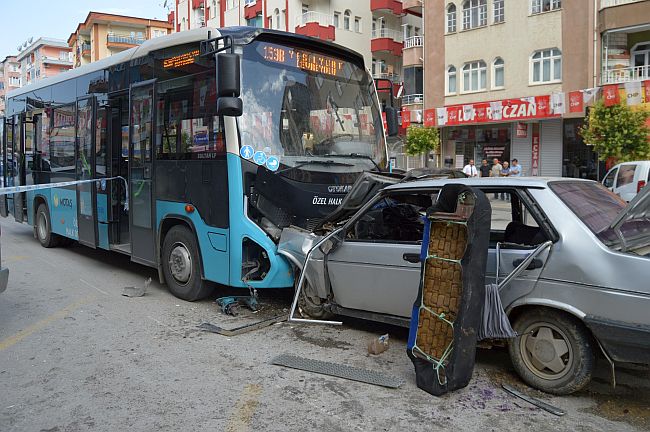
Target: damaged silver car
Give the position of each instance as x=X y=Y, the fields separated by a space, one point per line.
x=586 y=293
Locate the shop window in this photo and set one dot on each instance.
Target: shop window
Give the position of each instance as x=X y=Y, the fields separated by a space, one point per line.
x=346 y=19
x=474 y=76
x=451 y=18
x=499 y=11
x=546 y=66
x=498 y=73
x=451 y=80
x=578 y=159
x=474 y=14
x=539 y=6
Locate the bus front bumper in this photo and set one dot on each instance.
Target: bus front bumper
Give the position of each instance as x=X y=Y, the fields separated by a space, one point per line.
x=4 y=278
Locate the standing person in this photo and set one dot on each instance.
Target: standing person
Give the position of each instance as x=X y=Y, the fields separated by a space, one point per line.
x=484 y=169
x=515 y=169
x=505 y=172
x=470 y=169
x=495 y=171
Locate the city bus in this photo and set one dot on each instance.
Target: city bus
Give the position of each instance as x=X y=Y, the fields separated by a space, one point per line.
x=193 y=151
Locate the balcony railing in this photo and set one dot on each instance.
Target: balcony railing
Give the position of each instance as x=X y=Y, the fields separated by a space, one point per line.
x=609 y=3
x=125 y=39
x=413 y=99
x=622 y=75
x=387 y=75
x=395 y=35
x=323 y=19
x=413 y=41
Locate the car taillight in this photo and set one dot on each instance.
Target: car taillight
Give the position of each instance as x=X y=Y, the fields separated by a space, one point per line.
x=640 y=185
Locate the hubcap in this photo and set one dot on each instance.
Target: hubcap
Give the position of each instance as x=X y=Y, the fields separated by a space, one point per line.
x=546 y=351
x=42 y=226
x=180 y=263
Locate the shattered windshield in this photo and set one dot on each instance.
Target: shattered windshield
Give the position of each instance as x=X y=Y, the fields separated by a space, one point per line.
x=304 y=106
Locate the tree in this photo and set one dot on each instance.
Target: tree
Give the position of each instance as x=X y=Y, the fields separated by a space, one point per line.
x=421 y=140
x=617 y=131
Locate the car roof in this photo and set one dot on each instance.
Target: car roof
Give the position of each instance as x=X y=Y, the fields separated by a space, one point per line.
x=525 y=182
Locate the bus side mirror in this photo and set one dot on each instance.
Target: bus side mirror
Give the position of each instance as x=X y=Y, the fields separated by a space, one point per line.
x=229 y=106
x=228 y=75
x=391 y=120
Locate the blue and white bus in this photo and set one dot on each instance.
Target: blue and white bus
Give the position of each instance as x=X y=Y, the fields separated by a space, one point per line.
x=204 y=145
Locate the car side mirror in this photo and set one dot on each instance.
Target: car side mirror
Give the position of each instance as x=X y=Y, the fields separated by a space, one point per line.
x=229 y=106
x=391 y=121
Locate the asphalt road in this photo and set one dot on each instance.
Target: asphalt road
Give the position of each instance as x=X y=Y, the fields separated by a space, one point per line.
x=76 y=355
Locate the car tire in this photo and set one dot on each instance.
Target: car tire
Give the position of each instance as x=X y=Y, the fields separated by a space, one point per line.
x=43 y=228
x=181 y=267
x=311 y=304
x=553 y=351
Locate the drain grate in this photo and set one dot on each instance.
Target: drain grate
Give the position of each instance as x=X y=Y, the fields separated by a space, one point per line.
x=337 y=370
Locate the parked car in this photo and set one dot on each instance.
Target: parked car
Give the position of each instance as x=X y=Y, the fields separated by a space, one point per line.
x=585 y=293
x=628 y=178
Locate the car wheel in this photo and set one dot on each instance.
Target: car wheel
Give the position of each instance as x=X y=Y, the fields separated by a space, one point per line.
x=43 y=228
x=311 y=304
x=553 y=352
x=181 y=268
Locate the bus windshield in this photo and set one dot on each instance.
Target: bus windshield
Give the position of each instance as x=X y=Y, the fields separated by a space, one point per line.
x=302 y=106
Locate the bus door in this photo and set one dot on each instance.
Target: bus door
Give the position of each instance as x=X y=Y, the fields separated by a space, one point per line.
x=3 y=165
x=18 y=167
x=141 y=134
x=118 y=165
x=85 y=170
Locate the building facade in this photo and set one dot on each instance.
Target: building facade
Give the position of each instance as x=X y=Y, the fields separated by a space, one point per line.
x=9 y=79
x=498 y=78
x=44 y=58
x=102 y=35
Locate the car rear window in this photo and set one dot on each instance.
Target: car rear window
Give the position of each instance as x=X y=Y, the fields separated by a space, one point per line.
x=594 y=205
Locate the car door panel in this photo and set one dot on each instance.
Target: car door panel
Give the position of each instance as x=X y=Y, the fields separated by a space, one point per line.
x=374 y=277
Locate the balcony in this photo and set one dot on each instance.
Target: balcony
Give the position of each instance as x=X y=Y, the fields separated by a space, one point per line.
x=127 y=41
x=609 y=3
x=413 y=7
x=85 y=49
x=393 y=77
x=386 y=40
x=413 y=51
x=316 y=24
x=413 y=99
x=623 y=75
x=389 y=6
x=252 y=8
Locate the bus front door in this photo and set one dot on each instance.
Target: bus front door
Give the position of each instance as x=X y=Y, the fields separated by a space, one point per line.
x=85 y=170
x=3 y=165
x=141 y=134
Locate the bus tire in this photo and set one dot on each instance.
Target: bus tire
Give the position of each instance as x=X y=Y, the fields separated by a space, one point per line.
x=181 y=267
x=43 y=227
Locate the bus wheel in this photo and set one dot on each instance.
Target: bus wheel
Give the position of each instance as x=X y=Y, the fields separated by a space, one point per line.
x=44 y=228
x=181 y=267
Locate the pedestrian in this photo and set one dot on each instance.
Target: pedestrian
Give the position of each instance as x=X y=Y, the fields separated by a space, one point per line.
x=515 y=169
x=505 y=172
x=470 y=169
x=484 y=169
x=495 y=171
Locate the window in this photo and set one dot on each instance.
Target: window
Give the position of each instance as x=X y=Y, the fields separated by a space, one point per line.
x=499 y=11
x=546 y=66
x=63 y=55
x=451 y=80
x=337 y=19
x=305 y=8
x=408 y=31
x=451 y=18
x=62 y=140
x=625 y=175
x=357 y=24
x=539 y=6
x=413 y=84
x=641 y=60
x=276 y=14
x=271 y=22
x=609 y=179
x=474 y=14
x=346 y=20
x=474 y=76
x=498 y=73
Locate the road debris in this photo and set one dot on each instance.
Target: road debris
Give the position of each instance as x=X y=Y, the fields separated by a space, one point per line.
x=212 y=328
x=378 y=345
x=132 y=291
x=231 y=305
x=531 y=400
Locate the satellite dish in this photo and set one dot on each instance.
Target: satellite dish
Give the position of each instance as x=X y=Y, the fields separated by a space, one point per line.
x=20 y=48
x=30 y=40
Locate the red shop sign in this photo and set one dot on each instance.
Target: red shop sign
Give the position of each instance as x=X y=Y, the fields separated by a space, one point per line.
x=522 y=130
x=512 y=109
x=534 y=166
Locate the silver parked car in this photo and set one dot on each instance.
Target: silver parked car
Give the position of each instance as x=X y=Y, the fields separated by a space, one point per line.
x=588 y=291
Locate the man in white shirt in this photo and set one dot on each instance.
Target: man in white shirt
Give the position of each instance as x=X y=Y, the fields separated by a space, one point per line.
x=470 y=170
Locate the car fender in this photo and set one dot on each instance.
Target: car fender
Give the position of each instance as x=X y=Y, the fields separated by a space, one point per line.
x=316 y=269
x=537 y=301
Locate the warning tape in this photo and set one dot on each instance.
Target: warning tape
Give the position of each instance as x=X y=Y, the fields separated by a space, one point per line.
x=28 y=188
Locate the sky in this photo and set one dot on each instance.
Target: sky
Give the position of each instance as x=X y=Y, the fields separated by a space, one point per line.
x=59 y=18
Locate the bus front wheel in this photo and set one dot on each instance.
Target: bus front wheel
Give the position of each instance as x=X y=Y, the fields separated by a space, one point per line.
x=181 y=265
x=44 y=228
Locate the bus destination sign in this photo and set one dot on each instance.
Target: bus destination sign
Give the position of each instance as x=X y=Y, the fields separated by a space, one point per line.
x=302 y=59
x=181 y=60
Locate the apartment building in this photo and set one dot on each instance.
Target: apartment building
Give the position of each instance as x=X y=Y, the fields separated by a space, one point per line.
x=102 y=35
x=9 y=79
x=44 y=58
